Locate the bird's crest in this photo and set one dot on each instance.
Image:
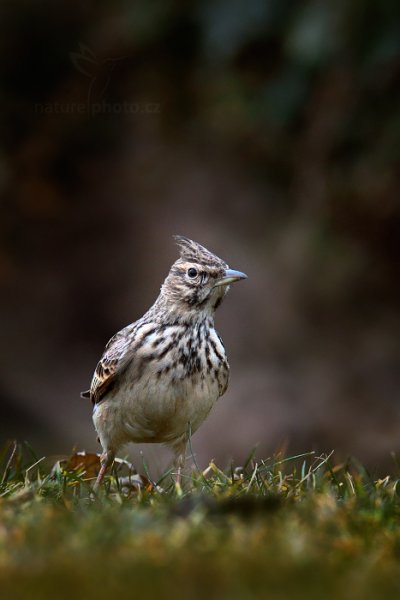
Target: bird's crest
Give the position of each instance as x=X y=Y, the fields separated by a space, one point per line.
x=190 y=250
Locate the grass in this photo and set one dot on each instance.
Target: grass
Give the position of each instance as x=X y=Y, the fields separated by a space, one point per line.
x=298 y=527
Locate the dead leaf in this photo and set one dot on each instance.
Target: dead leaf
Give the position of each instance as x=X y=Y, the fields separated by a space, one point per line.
x=88 y=462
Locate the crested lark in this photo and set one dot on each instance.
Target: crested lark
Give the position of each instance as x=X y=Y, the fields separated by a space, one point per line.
x=159 y=377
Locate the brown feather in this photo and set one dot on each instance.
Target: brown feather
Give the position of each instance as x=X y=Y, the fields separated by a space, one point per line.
x=112 y=364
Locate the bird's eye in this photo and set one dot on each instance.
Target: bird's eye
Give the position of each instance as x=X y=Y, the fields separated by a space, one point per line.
x=192 y=272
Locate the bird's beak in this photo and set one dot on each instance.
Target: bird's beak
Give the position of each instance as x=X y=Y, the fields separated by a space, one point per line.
x=230 y=276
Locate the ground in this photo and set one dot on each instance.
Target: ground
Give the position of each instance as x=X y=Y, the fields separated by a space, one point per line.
x=294 y=527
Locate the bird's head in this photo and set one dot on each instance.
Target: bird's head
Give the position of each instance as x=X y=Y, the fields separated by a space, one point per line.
x=198 y=280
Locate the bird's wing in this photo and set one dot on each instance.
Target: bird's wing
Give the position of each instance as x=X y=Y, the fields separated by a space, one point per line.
x=115 y=359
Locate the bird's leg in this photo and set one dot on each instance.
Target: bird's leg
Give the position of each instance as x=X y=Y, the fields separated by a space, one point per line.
x=106 y=460
x=179 y=463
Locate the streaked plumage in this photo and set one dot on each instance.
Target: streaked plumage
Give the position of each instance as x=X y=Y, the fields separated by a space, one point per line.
x=159 y=377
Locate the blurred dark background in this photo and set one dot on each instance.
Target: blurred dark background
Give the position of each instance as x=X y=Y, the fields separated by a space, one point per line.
x=266 y=130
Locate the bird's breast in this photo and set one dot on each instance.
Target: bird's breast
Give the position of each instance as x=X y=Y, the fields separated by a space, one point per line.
x=174 y=380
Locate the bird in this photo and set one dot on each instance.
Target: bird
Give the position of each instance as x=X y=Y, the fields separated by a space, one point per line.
x=159 y=377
